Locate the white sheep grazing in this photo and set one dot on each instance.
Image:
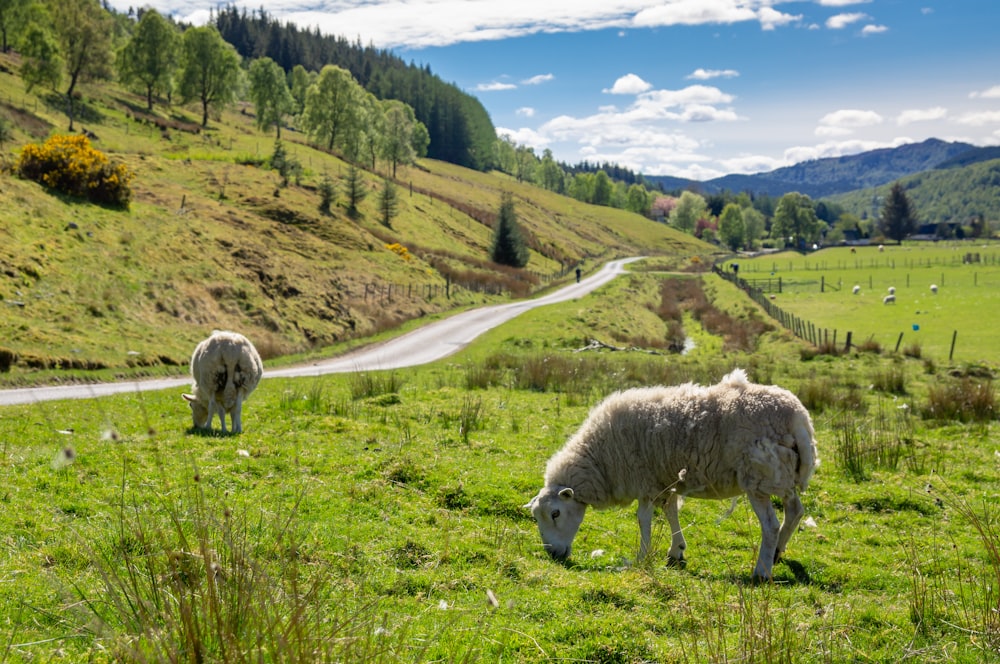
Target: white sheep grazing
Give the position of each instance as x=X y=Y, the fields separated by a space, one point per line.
x=856 y=289
x=226 y=369
x=889 y=299
x=892 y=290
x=934 y=288
x=661 y=444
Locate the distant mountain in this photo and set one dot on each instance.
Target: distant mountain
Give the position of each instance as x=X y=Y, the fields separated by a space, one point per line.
x=822 y=178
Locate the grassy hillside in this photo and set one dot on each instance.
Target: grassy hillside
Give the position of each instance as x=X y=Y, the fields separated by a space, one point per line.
x=213 y=241
x=943 y=195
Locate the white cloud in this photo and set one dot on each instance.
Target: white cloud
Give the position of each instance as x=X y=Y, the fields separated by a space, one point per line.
x=708 y=74
x=525 y=136
x=842 y=3
x=850 y=118
x=921 y=115
x=538 y=80
x=751 y=164
x=873 y=29
x=841 y=21
x=415 y=24
x=832 y=132
x=988 y=93
x=526 y=112
x=629 y=84
x=495 y=86
x=802 y=153
x=980 y=118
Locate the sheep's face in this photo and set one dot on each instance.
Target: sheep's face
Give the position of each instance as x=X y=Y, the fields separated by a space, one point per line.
x=558 y=515
x=199 y=411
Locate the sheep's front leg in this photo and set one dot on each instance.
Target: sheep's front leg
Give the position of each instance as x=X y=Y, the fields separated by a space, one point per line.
x=762 y=507
x=793 y=513
x=645 y=515
x=677 y=543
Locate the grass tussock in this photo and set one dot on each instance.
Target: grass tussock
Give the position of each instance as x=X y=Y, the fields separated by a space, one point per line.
x=964 y=400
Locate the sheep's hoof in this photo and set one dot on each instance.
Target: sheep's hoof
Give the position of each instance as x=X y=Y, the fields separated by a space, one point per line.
x=679 y=563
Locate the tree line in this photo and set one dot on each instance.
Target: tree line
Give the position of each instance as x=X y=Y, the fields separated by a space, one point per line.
x=64 y=44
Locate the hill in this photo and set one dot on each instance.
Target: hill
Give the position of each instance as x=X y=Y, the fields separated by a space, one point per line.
x=955 y=194
x=828 y=177
x=213 y=240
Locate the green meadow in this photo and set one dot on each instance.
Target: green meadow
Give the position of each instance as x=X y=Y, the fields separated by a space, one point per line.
x=955 y=323
x=378 y=516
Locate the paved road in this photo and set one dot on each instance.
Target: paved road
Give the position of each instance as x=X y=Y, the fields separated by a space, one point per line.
x=426 y=344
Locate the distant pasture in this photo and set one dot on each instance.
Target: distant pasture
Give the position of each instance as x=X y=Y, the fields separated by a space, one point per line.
x=959 y=322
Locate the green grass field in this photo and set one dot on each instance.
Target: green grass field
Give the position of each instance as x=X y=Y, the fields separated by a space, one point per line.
x=378 y=517
x=818 y=287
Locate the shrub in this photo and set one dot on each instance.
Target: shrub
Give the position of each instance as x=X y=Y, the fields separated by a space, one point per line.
x=69 y=164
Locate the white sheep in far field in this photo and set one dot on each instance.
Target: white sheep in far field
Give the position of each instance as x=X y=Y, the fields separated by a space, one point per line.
x=660 y=444
x=226 y=369
x=892 y=290
x=934 y=288
x=889 y=299
x=856 y=289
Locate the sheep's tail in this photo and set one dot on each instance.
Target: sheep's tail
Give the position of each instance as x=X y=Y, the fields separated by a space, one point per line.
x=805 y=445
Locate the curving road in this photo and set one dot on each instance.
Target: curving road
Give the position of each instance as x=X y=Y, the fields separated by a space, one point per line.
x=421 y=346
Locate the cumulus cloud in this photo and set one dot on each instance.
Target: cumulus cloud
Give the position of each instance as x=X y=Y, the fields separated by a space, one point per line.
x=873 y=29
x=538 y=80
x=708 y=74
x=629 y=84
x=841 y=21
x=526 y=112
x=524 y=136
x=980 y=118
x=850 y=118
x=988 y=93
x=416 y=24
x=842 y=3
x=495 y=86
x=802 y=153
x=921 y=115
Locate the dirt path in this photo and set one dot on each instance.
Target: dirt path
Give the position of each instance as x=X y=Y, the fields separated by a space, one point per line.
x=426 y=344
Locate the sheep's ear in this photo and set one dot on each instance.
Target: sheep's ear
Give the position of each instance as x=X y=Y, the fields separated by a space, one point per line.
x=566 y=493
x=189 y=397
x=530 y=504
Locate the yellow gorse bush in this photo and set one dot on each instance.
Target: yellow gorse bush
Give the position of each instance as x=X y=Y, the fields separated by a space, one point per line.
x=68 y=163
x=399 y=249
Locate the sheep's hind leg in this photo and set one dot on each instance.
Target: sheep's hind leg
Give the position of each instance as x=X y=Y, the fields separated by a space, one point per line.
x=793 y=513
x=762 y=507
x=677 y=544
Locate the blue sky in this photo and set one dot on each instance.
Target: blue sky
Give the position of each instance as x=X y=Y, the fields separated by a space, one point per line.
x=692 y=88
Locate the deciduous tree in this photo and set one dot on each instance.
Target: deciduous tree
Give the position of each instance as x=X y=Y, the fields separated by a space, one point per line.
x=151 y=57
x=84 y=30
x=732 y=231
x=689 y=209
x=211 y=70
x=331 y=112
x=397 y=137
x=269 y=93
x=795 y=221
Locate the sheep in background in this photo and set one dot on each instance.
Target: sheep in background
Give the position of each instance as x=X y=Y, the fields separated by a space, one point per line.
x=889 y=299
x=226 y=369
x=661 y=444
x=892 y=290
x=934 y=289
x=856 y=289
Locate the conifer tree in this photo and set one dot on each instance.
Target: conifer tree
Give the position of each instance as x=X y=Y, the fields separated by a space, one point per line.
x=354 y=189
x=388 y=202
x=508 y=245
x=898 y=218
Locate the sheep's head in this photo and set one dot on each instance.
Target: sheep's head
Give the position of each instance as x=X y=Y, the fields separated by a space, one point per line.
x=199 y=411
x=558 y=515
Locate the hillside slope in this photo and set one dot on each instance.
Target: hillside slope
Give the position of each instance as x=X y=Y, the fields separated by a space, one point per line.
x=213 y=241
